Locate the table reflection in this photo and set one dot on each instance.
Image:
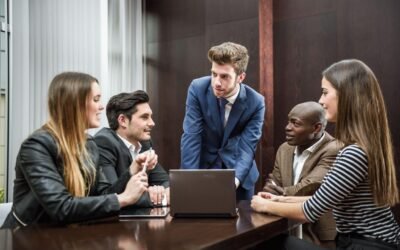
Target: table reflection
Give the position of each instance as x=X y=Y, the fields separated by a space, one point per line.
x=248 y=229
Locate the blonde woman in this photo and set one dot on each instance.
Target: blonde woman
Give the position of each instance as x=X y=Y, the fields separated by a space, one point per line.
x=58 y=180
x=361 y=186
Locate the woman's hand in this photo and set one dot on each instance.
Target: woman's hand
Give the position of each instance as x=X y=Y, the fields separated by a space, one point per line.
x=261 y=201
x=259 y=204
x=135 y=187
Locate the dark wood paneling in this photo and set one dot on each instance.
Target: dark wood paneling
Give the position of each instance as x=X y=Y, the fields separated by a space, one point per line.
x=266 y=152
x=303 y=48
x=173 y=20
x=295 y=9
x=372 y=34
x=168 y=75
x=227 y=11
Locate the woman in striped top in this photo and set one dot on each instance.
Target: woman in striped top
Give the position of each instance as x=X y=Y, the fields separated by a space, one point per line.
x=361 y=186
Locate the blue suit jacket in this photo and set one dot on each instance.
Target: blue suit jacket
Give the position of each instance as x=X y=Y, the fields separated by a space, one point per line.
x=203 y=138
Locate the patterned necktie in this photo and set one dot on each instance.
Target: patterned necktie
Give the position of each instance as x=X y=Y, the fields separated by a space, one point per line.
x=222 y=102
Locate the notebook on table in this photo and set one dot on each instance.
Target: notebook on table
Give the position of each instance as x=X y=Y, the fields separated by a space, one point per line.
x=202 y=193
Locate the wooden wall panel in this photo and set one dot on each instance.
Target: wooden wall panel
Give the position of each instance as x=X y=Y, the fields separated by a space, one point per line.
x=301 y=52
x=267 y=153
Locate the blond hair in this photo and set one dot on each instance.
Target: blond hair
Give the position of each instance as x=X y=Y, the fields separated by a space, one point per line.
x=67 y=98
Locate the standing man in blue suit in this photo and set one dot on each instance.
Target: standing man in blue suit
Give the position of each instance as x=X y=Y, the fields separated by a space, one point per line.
x=223 y=119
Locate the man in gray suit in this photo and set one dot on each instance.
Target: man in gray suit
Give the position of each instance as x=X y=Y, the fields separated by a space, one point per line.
x=302 y=162
x=130 y=119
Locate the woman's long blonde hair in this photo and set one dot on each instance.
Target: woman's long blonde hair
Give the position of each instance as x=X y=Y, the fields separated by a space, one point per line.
x=362 y=119
x=67 y=98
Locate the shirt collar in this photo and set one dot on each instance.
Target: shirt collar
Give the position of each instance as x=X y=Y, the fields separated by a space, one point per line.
x=130 y=146
x=233 y=98
x=312 y=147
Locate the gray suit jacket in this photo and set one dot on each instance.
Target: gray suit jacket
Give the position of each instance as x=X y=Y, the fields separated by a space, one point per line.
x=115 y=160
x=314 y=170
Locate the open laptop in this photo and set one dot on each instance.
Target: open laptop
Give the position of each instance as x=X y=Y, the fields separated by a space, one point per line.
x=202 y=193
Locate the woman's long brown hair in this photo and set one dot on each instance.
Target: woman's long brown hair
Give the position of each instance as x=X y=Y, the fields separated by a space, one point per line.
x=67 y=98
x=362 y=119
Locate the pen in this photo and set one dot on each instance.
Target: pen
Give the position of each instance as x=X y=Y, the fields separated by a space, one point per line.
x=147 y=160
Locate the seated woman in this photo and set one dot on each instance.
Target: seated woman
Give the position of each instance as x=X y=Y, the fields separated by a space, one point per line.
x=58 y=180
x=361 y=186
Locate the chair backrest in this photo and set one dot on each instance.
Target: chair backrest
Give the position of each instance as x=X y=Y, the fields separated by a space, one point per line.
x=5 y=209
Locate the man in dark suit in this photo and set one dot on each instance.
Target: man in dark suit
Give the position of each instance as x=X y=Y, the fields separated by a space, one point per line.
x=130 y=119
x=223 y=119
x=302 y=162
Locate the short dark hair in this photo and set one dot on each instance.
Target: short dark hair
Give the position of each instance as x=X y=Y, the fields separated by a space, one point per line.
x=124 y=103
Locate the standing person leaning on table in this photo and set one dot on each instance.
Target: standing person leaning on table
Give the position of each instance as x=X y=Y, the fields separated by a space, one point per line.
x=58 y=180
x=361 y=186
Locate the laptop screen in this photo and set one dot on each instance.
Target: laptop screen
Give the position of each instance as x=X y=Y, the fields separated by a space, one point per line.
x=202 y=192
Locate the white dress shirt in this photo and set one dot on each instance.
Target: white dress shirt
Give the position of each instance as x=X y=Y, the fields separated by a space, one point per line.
x=228 y=107
x=300 y=159
x=132 y=148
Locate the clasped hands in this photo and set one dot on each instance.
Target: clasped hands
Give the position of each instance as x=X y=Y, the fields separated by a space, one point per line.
x=260 y=201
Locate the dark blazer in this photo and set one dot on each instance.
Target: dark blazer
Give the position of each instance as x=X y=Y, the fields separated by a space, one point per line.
x=115 y=160
x=315 y=168
x=204 y=139
x=40 y=195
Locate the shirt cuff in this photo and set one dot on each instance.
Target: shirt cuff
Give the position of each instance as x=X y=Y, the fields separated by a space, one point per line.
x=237 y=182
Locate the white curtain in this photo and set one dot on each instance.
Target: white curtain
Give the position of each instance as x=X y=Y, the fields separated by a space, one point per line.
x=99 y=37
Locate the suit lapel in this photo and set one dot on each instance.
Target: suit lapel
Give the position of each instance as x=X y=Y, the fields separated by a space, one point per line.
x=122 y=146
x=213 y=111
x=308 y=163
x=287 y=172
x=236 y=112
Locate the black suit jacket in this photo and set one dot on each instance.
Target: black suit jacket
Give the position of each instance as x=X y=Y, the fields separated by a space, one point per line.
x=115 y=160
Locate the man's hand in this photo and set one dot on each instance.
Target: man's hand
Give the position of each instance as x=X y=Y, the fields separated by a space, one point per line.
x=135 y=187
x=157 y=194
x=272 y=187
x=146 y=160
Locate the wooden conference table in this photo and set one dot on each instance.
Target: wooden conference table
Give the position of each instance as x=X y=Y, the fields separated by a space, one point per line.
x=248 y=230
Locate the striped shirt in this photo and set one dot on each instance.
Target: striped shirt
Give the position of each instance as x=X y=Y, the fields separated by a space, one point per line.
x=345 y=189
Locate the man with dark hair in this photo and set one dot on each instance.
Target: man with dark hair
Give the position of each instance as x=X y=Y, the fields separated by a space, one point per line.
x=223 y=119
x=130 y=119
x=302 y=162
